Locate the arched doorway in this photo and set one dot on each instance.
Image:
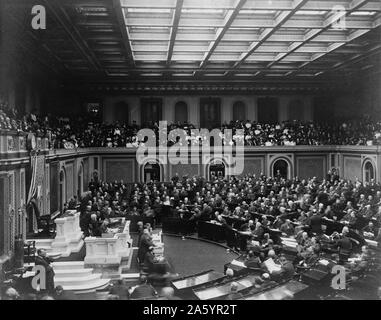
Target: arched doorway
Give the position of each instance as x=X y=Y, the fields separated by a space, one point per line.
x=281 y=169
x=151 y=172
x=62 y=189
x=368 y=171
x=239 y=111
x=181 y=112
x=216 y=170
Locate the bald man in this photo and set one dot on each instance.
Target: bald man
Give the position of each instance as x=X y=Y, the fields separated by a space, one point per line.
x=234 y=294
x=168 y=293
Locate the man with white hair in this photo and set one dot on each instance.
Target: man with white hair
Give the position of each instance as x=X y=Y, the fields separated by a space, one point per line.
x=234 y=294
x=229 y=273
x=95 y=226
x=168 y=293
x=11 y=294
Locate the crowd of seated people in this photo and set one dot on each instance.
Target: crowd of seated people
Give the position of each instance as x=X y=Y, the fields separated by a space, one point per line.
x=296 y=208
x=299 y=209
x=87 y=130
x=102 y=202
x=274 y=198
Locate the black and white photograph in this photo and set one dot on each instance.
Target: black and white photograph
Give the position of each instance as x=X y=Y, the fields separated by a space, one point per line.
x=206 y=151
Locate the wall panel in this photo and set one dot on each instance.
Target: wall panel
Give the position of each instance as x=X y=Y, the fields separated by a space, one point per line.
x=352 y=168
x=311 y=167
x=118 y=169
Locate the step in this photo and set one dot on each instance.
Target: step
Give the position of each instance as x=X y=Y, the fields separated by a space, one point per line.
x=92 y=286
x=43 y=243
x=130 y=276
x=67 y=265
x=72 y=281
x=102 y=295
x=66 y=273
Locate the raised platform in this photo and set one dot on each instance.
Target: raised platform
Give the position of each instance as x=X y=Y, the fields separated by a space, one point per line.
x=68 y=237
x=73 y=276
x=110 y=249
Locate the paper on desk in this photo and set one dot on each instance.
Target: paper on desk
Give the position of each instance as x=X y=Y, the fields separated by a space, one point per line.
x=371 y=243
x=272 y=266
x=288 y=239
x=354 y=259
x=238 y=263
x=324 y=262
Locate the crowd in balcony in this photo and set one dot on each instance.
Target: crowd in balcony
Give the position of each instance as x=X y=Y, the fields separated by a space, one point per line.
x=86 y=131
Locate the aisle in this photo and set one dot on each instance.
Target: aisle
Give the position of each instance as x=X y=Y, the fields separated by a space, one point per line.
x=191 y=256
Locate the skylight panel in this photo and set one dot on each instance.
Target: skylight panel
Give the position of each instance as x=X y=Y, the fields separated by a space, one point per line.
x=148 y=10
x=210 y=11
x=250 y=11
x=363 y=13
x=310 y=13
x=151 y=74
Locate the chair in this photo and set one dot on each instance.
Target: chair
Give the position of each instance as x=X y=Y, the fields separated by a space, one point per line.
x=46 y=225
x=29 y=251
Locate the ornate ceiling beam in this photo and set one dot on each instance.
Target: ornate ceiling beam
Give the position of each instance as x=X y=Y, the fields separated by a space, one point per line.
x=175 y=26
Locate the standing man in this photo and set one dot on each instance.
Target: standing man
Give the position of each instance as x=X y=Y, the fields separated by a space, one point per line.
x=43 y=260
x=145 y=244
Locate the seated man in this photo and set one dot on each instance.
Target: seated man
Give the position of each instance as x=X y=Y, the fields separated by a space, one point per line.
x=287 y=228
x=120 y=289
x=168 y=293
x=287 y=270
x=61 y=294
x=258 y=232
x=252 y=261
x=43 y=260
x=144 y=290
x=234 y=294
x=370 y=231
x=310 y=257
x=350 y=218
x=94 y=226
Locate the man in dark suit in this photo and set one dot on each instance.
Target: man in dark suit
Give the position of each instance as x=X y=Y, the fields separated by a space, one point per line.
x=287 y=228
x=344 y=245
x=168 y=293
x=120 y=289
x=315 y=222
x=61 y=294
x=149 y=260
x=234 y=294
x=145 y=244
x=43 y=260
x=287 y=270
x=252 y=260
x=144 y=290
